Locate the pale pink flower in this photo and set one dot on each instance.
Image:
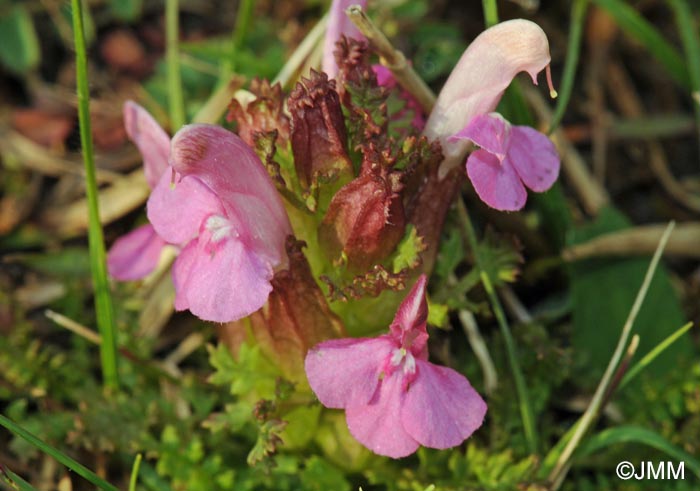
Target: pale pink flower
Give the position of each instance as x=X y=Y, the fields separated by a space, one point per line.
x=473 y=89
x=220 y=204
x=136 y=254
x=394 y=399
x=510 y=158
x=338 y=25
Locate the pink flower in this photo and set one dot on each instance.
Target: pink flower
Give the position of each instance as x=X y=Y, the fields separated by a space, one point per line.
x=338 y=24
x=510 y=158
x=136 y=254
x=385 y=78
x=394 y=399
x=220 y=204
x=473 y=89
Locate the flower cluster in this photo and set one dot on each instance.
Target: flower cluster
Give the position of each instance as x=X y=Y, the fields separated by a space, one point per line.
x=325 y=192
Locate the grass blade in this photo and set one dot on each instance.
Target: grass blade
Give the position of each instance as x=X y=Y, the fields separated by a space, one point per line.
x=13 y=481
x=641 y=29
x=649 y=357
x=73 y=465
x=557 y=474
x=103 y=299
x=634 y=434
x=578 y=15
x=176 y=102
x=687 y=29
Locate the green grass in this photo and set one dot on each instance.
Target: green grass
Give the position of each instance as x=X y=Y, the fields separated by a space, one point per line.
x=103 y=300
x=73 y=465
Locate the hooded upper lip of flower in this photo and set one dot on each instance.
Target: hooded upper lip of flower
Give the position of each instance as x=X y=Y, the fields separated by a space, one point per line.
x=395 y=400
x=220 y=204
x=477 y=82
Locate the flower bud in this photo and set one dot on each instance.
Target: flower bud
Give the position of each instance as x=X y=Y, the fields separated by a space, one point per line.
x=365 y=220
x=319 y=140
x=262 y=115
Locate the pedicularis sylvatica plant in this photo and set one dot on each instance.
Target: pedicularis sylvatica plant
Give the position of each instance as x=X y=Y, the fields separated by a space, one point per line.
x=314 y=218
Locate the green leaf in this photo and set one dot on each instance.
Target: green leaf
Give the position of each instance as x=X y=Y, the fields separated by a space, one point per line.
x=251 y=372
x=127 y=10
x=437 y=314
x=450 y=254
x=635 y=434
x=302 y=422
x=602 y=291
x=408 y=251
x=19 y=44
x=319 y=475
x=498 y=258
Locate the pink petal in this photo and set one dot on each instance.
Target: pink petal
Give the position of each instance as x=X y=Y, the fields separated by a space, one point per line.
x=338 y=24
x=231 y=169
x=152 y=141
x=482 y=74
x=385 y=78
x=534 y=158
x=496 y=183
x=220 y=282
x=441 y=409
x=178 y=209
x=490 y=131
x=409 y=325
x=135 y=255
x=345 y=372
x=377 y=425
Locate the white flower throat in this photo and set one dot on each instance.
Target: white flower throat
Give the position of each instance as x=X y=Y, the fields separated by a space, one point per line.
x=402 y=355
x=220 y=228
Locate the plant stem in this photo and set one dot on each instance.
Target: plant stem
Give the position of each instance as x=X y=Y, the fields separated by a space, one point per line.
x=392 y=58
x=490 y=12
x=135 y=472
x=578 y=15
x=176 y=104
x=243 y=15
x=526 y=412
x=592 y=411
x=103 y=301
